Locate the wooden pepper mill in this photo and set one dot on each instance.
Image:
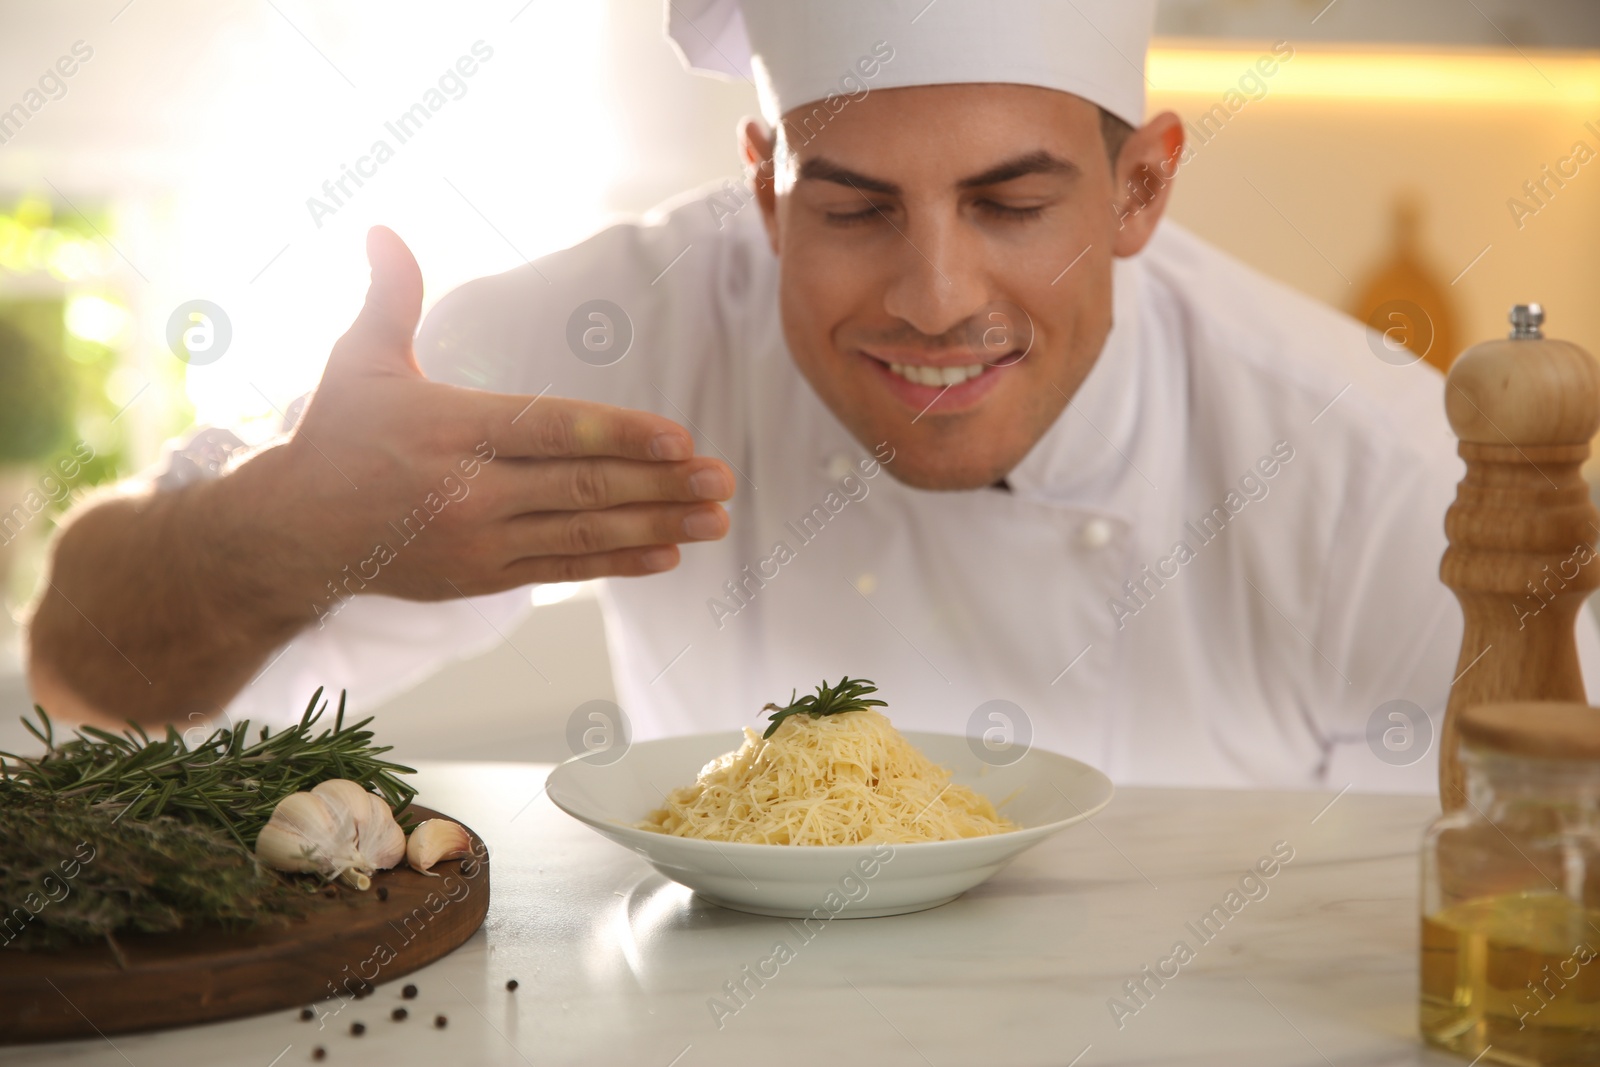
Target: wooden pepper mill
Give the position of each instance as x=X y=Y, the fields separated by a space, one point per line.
x=1522 y=529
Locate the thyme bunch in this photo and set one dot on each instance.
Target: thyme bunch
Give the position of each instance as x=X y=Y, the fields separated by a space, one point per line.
x=70 y=872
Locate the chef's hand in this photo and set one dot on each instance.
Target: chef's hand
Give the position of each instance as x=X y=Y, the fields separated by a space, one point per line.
x=161 y=606
x=526 y=489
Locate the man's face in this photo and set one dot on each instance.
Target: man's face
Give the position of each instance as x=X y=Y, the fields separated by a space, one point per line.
x=946 y=261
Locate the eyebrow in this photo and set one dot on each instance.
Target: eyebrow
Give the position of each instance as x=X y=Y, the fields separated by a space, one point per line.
x=1036 y=162
x=825 y=170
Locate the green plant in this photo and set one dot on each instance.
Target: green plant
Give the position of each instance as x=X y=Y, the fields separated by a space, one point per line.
x=227 y=782
x=848 y=695
x=72 y=871
x=38 y=396
x=106 y=834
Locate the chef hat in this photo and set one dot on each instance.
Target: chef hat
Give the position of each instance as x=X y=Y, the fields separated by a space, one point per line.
x=799 y=51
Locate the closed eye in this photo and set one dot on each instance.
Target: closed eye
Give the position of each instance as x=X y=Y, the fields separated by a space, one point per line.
x=1008 y=211
x=869 y=213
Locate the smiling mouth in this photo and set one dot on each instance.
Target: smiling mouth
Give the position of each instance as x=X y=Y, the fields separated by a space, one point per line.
x=945 y=374
x=950 y=374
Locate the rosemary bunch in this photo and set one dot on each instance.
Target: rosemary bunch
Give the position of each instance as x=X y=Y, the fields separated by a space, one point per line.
x=226 y=782
x=848 y=695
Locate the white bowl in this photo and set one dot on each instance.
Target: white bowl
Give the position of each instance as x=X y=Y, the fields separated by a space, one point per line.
x=1043 y=791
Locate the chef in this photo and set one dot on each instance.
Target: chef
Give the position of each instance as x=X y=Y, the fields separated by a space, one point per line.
x=936 y=399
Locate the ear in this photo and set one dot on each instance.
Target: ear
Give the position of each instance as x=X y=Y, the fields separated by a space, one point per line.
x=756 y=144
x=1144 y=170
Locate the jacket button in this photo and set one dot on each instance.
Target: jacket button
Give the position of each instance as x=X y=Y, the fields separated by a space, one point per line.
x=1096 y=533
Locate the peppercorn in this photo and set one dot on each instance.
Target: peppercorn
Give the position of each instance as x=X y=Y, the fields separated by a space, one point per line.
x=358 y=1028
x=306 y=1015
x=511 y=986
x=398 y=1014
x=319 y=1053
x=383 y=892
x=440 y=1022
x=409 y=992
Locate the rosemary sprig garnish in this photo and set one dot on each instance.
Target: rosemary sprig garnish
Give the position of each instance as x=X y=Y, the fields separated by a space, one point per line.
x=848 y=695
x=225 y=782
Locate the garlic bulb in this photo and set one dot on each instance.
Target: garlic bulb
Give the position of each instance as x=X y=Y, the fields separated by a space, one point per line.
x=378 y=836
x=434 y=840
x=308 y=834
x=338 y=830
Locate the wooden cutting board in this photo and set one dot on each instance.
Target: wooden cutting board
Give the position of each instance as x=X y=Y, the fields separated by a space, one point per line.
x=189 y=977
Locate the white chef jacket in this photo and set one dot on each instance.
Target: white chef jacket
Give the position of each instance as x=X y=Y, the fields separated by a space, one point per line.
x=1257 y=656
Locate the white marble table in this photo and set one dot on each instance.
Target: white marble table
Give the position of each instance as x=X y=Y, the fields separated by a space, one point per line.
x=618 y=966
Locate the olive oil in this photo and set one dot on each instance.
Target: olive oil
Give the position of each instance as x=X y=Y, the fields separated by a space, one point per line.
x=1513 y=978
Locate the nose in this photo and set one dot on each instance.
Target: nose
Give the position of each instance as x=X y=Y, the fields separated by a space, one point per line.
x=939 y=281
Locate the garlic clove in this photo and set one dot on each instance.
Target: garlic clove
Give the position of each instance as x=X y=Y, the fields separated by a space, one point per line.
x=434 y=840
x=345 y=792
x=380 y=841
x=306 y=833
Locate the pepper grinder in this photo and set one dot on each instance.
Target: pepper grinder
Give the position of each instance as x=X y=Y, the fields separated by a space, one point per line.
x=1521 y=556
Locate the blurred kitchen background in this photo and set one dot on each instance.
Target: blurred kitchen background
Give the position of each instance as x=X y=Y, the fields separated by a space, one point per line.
x=1434 y=157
